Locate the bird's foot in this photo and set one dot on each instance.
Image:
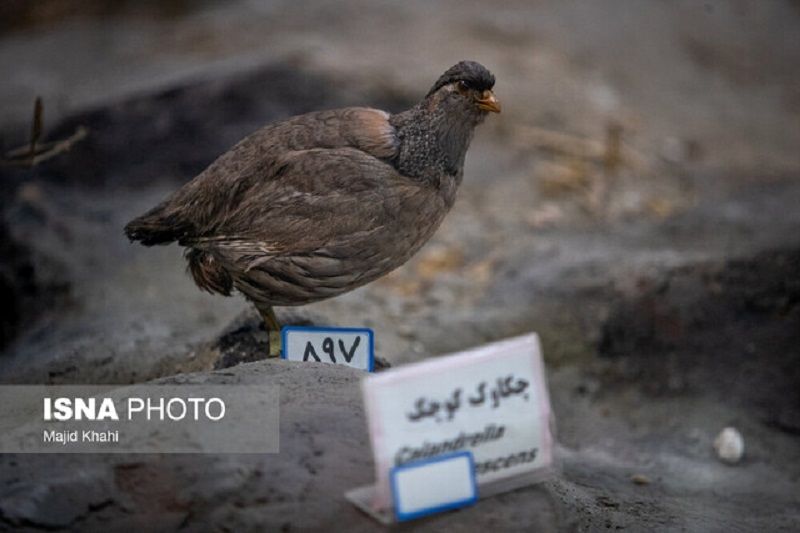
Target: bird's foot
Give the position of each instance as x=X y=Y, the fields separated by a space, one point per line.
x=274 y=344
x=273 y=328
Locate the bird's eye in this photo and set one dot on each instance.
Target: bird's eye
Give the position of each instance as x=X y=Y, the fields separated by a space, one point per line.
x=463 y=87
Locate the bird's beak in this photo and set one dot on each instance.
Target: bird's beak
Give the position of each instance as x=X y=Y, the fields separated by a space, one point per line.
x=488 y=102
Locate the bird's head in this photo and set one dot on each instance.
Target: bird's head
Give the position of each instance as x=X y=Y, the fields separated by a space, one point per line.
x=465 y=87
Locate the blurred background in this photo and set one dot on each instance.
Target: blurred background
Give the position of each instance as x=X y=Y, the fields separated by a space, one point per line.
x=635 y=203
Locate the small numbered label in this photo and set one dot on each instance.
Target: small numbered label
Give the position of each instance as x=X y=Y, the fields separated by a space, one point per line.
x=352 y=347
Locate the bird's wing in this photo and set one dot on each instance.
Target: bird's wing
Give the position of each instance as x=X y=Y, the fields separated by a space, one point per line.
x=262 y=157
x=325 y=202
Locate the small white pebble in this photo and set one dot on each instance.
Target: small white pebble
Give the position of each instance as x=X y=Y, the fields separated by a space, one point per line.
x=729 y=445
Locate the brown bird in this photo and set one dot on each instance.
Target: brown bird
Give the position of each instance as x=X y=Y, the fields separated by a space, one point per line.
x=322 y=203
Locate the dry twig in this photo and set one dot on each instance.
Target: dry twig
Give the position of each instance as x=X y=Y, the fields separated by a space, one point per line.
x=34 y=153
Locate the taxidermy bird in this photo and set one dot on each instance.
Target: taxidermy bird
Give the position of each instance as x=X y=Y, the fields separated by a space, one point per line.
x=322 y=203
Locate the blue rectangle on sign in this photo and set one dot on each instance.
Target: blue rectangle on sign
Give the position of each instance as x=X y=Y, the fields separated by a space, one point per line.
x=353 y=347
x=433 y=485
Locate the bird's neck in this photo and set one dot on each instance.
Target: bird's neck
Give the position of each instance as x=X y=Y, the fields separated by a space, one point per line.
x=433 y=143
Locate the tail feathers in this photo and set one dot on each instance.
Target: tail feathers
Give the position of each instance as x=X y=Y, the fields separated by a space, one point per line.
x=208 y=273
x=155 y=227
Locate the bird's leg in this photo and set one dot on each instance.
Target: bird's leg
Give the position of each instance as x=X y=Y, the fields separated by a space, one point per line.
x=273 y=329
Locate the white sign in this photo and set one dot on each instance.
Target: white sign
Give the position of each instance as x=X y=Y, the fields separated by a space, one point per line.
x=434 y=485
x=353 y=347
x=491 y=401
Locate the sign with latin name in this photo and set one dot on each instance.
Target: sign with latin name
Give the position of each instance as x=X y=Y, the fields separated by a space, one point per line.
x=354 y=347
x=491 y=401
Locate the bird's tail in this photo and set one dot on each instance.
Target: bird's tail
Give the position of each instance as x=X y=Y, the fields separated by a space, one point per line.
x=157 y=226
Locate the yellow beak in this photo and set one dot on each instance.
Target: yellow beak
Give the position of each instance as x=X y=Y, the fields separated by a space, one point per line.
x=488 y=102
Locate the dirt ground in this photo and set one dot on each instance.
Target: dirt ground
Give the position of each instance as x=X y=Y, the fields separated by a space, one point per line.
x=634 y=204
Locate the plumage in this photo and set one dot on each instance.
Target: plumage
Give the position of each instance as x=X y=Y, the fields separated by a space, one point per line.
x=322 y=203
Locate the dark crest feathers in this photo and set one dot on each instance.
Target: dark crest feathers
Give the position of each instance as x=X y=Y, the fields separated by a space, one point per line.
x=471 y=72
